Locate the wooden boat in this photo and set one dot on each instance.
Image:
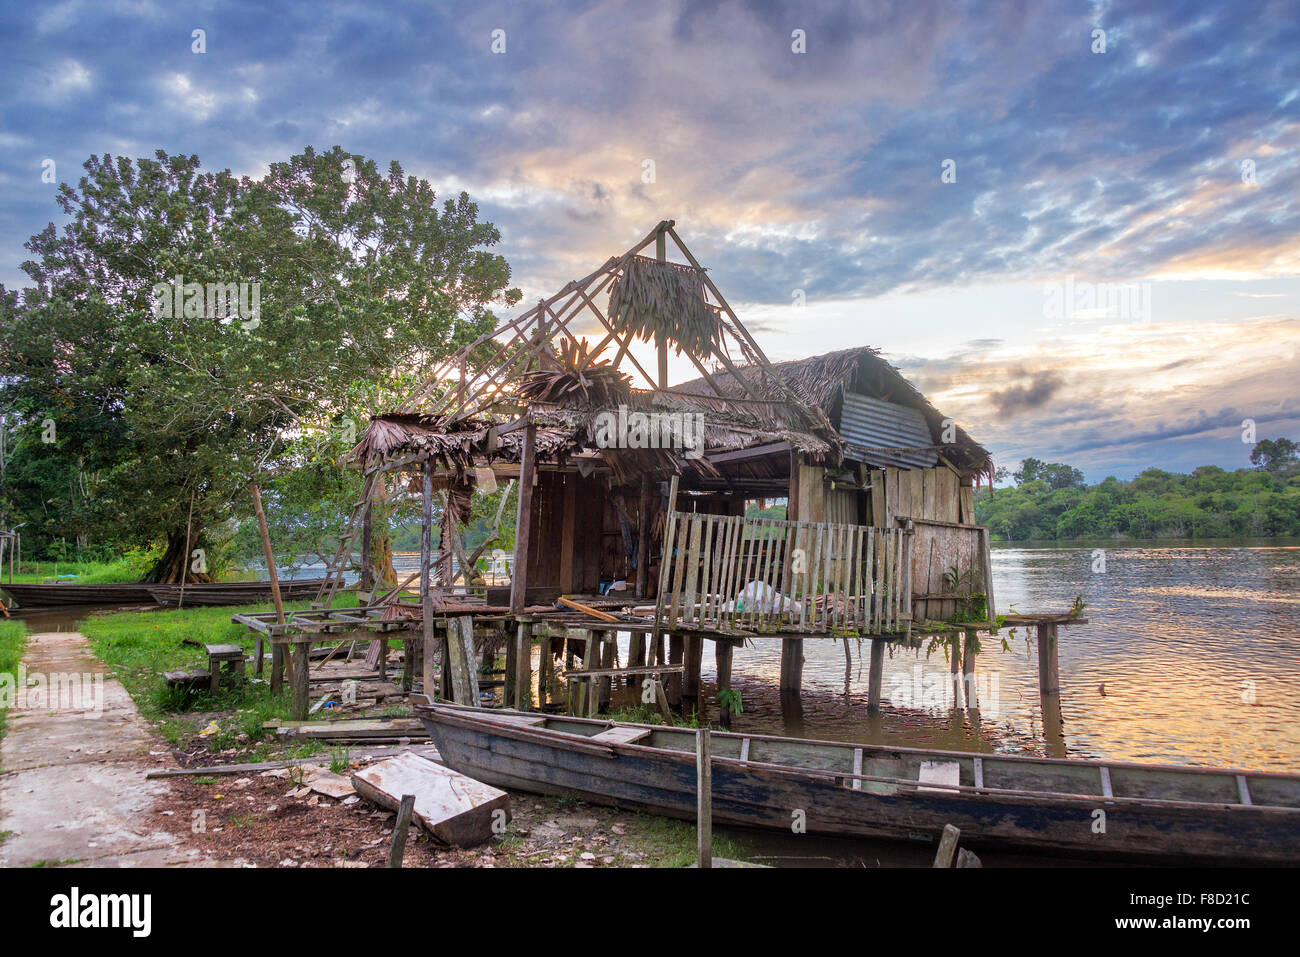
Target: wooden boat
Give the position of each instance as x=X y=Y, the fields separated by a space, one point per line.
x=234 y=593
x=55 y=595
x=1064 y=806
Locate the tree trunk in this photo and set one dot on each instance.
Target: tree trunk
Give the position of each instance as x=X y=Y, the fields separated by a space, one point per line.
x=381 y=557
x=175 y=561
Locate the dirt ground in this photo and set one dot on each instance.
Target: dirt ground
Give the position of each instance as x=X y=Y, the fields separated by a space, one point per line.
x=274 y=819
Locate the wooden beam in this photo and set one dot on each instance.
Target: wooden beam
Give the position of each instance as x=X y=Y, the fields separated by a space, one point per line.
x=426 y=590
x=523 y=521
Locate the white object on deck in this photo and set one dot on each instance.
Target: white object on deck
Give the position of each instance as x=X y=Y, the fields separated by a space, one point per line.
x=942 y=775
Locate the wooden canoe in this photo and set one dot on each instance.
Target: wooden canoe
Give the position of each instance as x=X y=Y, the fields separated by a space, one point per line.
x=55 y=595
x=1062 y=806
x=234 y=593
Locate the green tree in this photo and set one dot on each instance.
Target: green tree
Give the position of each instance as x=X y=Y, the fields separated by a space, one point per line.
x=175 y=400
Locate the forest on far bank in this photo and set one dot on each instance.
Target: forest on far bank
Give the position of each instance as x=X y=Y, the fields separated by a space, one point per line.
x=1050 y=501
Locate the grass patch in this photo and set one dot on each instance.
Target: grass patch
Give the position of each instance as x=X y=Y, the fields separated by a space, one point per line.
x=139 y=647
x=13 y=636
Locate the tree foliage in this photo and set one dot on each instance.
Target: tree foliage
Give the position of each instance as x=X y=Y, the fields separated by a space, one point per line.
x=166 y=405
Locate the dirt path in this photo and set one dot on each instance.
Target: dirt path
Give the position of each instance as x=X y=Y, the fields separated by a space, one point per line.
x=72 y=785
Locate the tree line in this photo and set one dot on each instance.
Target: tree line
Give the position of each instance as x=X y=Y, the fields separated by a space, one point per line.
x=1051 y=501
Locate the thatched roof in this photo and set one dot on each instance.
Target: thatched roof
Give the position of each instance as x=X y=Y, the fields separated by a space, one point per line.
x=571 y=427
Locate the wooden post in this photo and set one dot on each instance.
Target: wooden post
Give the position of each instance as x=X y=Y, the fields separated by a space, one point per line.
x=968 y=669
x=791 y=665
x=635 y=651
x=277 y=649
x=1049 y=690
x=674 y=689
x=523 y=517
x=523 y=667
x=426 y=589
x=691 y=677
x=954 y=669
x=722 y=651
x=608 y=645
x=512 y=648
x=643 y=526
x=543 y=671
x=1049 y=679
x=301 y=680
x=703 y=799
x=947 y=846
x=875 y=675
x=400 y=830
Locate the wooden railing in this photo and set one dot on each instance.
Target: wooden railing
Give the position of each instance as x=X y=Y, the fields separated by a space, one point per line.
x=751 y=574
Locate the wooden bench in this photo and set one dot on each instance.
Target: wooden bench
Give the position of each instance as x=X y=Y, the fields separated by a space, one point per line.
x=230 y=657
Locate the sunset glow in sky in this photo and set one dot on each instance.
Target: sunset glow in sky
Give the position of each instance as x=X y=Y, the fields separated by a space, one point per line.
x=1170 y=162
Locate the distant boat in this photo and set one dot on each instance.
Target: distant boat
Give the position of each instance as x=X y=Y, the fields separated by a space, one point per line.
x=234 y=593
x=55 y=595
x=1063 y=806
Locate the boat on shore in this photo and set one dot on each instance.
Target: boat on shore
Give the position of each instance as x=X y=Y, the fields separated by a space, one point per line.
x=233 y=593
x=1079 y=807
x=56 y=595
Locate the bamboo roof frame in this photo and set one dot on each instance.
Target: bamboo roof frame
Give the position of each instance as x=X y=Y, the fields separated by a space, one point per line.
x=527 y=342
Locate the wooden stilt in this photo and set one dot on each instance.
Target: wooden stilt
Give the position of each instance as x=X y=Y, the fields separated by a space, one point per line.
x=607 y=648
x=512 y=670
x=875 y=675
x=523 y=668
x=968 y=669
x=523 y=521
x=674 y=683
x=791 y=665
x=301 y=680
x=694 y=654
x=1049 y=678
x=954 y=669
x=426 y=589
x=446 y=690
x=545 y=669
x=578 y=689
x=636 y=650
x=722 y=651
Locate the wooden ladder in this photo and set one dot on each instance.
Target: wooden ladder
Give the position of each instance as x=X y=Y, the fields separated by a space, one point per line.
x=338 y=565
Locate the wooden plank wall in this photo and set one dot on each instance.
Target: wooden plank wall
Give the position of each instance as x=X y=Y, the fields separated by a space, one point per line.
x=568 y=518
x=916 y=493
x=935 y=549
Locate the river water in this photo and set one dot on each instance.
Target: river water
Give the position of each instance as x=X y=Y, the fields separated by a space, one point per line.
x=1197 y=646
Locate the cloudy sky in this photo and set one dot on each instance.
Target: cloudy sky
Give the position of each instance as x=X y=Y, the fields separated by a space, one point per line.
x=1084 y=246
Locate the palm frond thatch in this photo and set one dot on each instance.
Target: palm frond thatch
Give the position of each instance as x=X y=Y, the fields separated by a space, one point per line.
x=652 y=299
x=578 y=380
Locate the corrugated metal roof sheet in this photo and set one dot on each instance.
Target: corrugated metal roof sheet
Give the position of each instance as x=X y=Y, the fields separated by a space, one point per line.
x=887 y=434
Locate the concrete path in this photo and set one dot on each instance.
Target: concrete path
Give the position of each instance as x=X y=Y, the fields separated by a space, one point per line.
x=72 y=785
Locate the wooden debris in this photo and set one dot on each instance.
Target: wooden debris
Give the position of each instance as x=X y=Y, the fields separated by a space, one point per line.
x=331 y=785
x=947 y=846
x=452 y=808
x=585 y=609
x=400 y=830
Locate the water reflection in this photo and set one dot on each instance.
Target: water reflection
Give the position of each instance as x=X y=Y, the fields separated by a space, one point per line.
x=1191 y=655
